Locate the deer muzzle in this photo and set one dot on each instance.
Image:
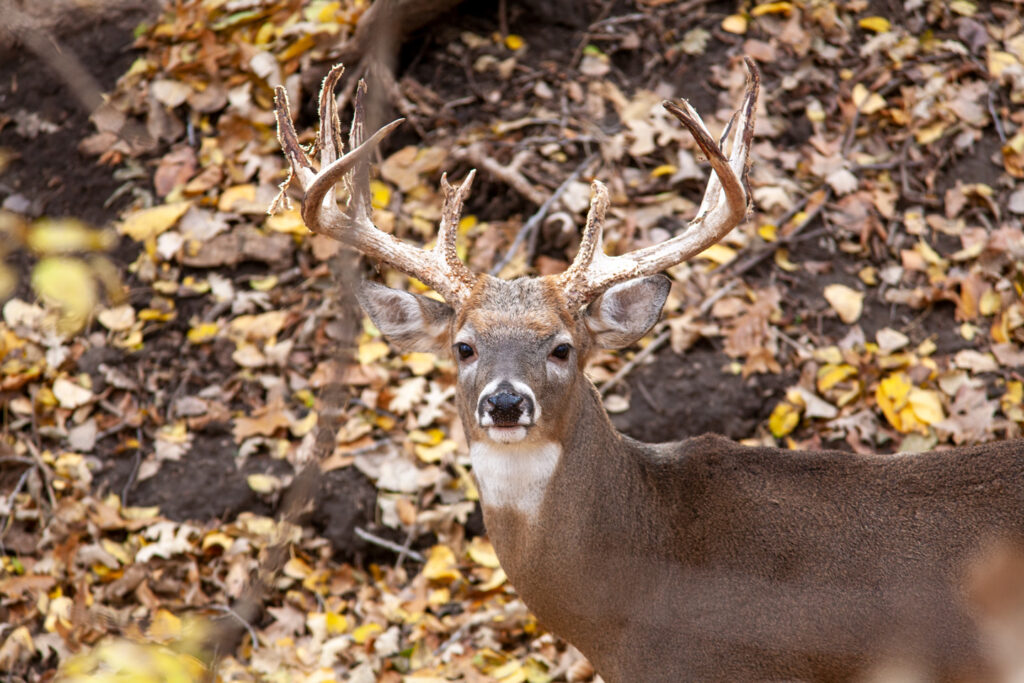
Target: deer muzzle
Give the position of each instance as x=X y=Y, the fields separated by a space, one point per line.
x=506 y=409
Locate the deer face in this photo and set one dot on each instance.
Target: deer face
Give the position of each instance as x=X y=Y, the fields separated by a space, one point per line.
x=519 y=346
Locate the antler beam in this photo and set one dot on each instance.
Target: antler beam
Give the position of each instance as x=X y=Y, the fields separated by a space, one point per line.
x=723 y=207
x=439 y=268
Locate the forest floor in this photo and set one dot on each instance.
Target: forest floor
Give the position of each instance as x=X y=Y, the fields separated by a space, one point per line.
x=210 y=461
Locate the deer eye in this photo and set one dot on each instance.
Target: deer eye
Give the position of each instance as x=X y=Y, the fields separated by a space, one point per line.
x=464 y=350
x=561 y=352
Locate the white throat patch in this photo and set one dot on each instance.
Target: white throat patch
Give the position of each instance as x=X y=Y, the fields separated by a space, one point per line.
x=514 y=475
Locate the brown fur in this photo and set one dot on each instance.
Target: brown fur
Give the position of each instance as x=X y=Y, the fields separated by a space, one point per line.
x=703 y=560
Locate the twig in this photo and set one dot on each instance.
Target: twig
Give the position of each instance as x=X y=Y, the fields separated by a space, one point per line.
x=503 y=18
x=134 y=472
x=16 y=459
x=996 y=121
x=640 y=357
x=407 y=546
x=44 y=471
x=529 y=228
x=390 y=545
x=242 y=620
x=508 y=174
x=772 y=247
x=10 y=514
x=706 y=305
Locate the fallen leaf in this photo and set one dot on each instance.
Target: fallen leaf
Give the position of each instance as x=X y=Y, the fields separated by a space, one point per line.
x=148 y=223
x=71 y=395
x=846 y=302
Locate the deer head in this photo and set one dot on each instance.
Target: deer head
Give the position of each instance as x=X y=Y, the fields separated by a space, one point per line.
x=520 y=345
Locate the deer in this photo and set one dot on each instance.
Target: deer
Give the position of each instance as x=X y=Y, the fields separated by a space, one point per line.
x=693 y=560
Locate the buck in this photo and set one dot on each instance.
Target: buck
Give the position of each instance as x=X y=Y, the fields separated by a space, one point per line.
x=700 y=559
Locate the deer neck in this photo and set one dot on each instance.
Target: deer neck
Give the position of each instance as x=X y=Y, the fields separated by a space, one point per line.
x=540 y=503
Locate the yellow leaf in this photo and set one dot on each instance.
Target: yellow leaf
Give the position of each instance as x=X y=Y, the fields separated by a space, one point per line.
x=117 y=319
x=846 y=302
x=296 y=568
x=867 y=102
x=148 y=223
x=998 y=61
x=164 y=627
x=63 y=235
x=289 y=221
x=299 y=47
x=380 y=194
x=719 y=253
x=832 y=374
x=117 y=550
x=372 y=351
x=419 y=362
x=263 y=483
x=8 y=282
x=784 y=419
x=892 y=396
x=440 y=565
x=232 y=197
x=783 y=262
x=435 y=453
x=964 y=8
x=927 y=405
x=1012 y=402
x=430 y=437
x=336 y=624
x=70 y=395
x=514 y=42
x=482 y=552
x=299 y=428
x=155 y=314
x=772 y=8
x=505 y=670
x=365 y=632
x=814 y=112
x=264 y=284
x=930 y=133
x=876 y=24
x=735 y=23
x=768 y=232
x=258 y=327
x=202 y=333
x=217 y=538
x=68 y=285
x=664 y=169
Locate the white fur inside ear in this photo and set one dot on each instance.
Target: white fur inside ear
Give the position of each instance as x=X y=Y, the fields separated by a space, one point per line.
x=626 y=311
x=409 y=321
x=514 y=476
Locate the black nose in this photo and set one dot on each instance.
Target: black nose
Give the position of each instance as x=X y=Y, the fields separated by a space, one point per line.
x=505 y=408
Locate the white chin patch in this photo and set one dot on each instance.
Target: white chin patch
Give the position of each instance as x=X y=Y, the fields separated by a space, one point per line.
x=506 y=434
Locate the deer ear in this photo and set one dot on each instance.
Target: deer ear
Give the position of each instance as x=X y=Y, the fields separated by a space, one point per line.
x=410 y=322
x=625 y=312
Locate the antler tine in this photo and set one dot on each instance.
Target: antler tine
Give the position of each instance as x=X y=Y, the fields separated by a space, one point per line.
x=440 y=269
x=447 y=231
x=591 y=242
x=723 y=207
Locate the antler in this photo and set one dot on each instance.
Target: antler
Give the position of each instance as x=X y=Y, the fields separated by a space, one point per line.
x=723 y=207
x=440 y=268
